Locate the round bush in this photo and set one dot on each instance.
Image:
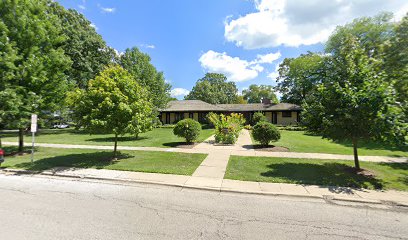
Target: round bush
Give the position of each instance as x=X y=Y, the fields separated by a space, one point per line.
x=258 y=117
x=188 y=129
x=265 y=132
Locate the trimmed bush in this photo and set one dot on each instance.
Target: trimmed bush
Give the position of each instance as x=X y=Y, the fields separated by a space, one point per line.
x=188 y=128
x=265 y=133
x=258 y=117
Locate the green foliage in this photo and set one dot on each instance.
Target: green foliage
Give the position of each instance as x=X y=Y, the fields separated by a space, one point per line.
x=113 y=103
x=255 y=93
x=227 y=128
x=138 y=64
x=265 y=133
x=213 y=88
x=258 y=117
x=188 y=128
x=32 y=62
x=396 y=61
x=84 y=46
x=298 y=77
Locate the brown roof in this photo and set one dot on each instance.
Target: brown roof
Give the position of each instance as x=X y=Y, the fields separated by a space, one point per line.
x=198 y=105
x=189 y=106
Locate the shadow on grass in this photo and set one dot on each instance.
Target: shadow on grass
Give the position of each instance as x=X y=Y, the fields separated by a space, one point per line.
x=96 y=160
x=112 y=139
x=327 y=174
x=396 y=165
x=180 y=144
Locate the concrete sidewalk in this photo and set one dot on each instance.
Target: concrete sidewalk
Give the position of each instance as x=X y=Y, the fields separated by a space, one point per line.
x=227 y=185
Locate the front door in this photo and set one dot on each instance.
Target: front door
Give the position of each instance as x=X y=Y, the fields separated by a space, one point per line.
x=274 y=117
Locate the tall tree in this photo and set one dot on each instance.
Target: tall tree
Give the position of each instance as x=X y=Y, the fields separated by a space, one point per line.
x=396 y=61
x=115 y=103
x=85 y=47
x=138 y=64
x=299 y=76
x=255 y=93
x=354 y=102
x=34 y=73
x=215 y=89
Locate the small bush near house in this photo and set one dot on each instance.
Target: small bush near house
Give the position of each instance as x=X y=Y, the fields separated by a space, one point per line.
x=188 y=128
x=265 y=133
x=258 y=117
x=227 y=128
x=248 y=127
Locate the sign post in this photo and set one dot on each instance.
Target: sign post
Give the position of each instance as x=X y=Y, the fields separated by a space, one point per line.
x=33 y=131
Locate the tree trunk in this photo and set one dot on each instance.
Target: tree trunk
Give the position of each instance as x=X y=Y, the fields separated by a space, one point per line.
x=116 y=145
x=356 y=162
x=20 y=140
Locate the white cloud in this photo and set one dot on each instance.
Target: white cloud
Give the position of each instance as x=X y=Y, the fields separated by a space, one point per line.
x=106 y=9
x=177 y=92
x=268 y=58
x=293 y=23
x=94 y=26
x=151 y=46
x=236 y=69
x=273 y=75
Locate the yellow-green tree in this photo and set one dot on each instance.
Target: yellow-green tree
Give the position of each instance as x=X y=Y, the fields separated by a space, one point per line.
x=113 y=103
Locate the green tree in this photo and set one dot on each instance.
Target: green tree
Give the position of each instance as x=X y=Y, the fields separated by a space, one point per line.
x=354 y=102
x=138 y=64
x=85 y=47
x=188 y=128
x=255 y=93
x=34 y=69
x=396 y=61
x=215 y=89
x=113 y=103
x=298 y=77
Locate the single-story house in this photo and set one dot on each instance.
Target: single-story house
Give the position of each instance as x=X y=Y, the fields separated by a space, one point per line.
x=276 y=113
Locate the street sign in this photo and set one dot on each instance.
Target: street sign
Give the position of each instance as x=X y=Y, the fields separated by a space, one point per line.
x=34 y=123
x=33 y=131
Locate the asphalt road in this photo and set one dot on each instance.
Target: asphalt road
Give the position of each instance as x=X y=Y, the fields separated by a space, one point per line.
x=47 y=208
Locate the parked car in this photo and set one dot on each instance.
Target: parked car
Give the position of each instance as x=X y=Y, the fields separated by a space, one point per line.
x=61 y=126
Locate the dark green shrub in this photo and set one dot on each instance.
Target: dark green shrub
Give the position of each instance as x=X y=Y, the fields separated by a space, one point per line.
x=188 y=128
x=265 y=132
x=258 y=117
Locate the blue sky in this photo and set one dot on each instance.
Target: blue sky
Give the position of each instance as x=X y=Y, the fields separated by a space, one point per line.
x=243 y=39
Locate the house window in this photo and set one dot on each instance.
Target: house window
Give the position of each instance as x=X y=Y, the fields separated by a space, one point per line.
x=179 y=116
x=202 y=117
x=286 y=114
x=191 y=115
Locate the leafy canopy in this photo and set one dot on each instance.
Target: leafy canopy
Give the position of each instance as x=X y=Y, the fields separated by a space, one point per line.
x=138 y=64
x=215 y=89
x=113 y=103
x=255 y=93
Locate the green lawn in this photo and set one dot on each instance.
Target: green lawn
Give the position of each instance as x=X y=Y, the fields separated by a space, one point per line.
x=158 y=137
x=140 y=161
x=299 y=141
x=318 y=172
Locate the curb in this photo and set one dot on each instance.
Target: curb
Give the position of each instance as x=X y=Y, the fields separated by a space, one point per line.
x=328 y=198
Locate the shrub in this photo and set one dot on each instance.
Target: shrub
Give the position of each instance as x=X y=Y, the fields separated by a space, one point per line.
x=258 y=117
x=248 y=127
x=265 y=132
x=188 y=128
x=227 y=128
